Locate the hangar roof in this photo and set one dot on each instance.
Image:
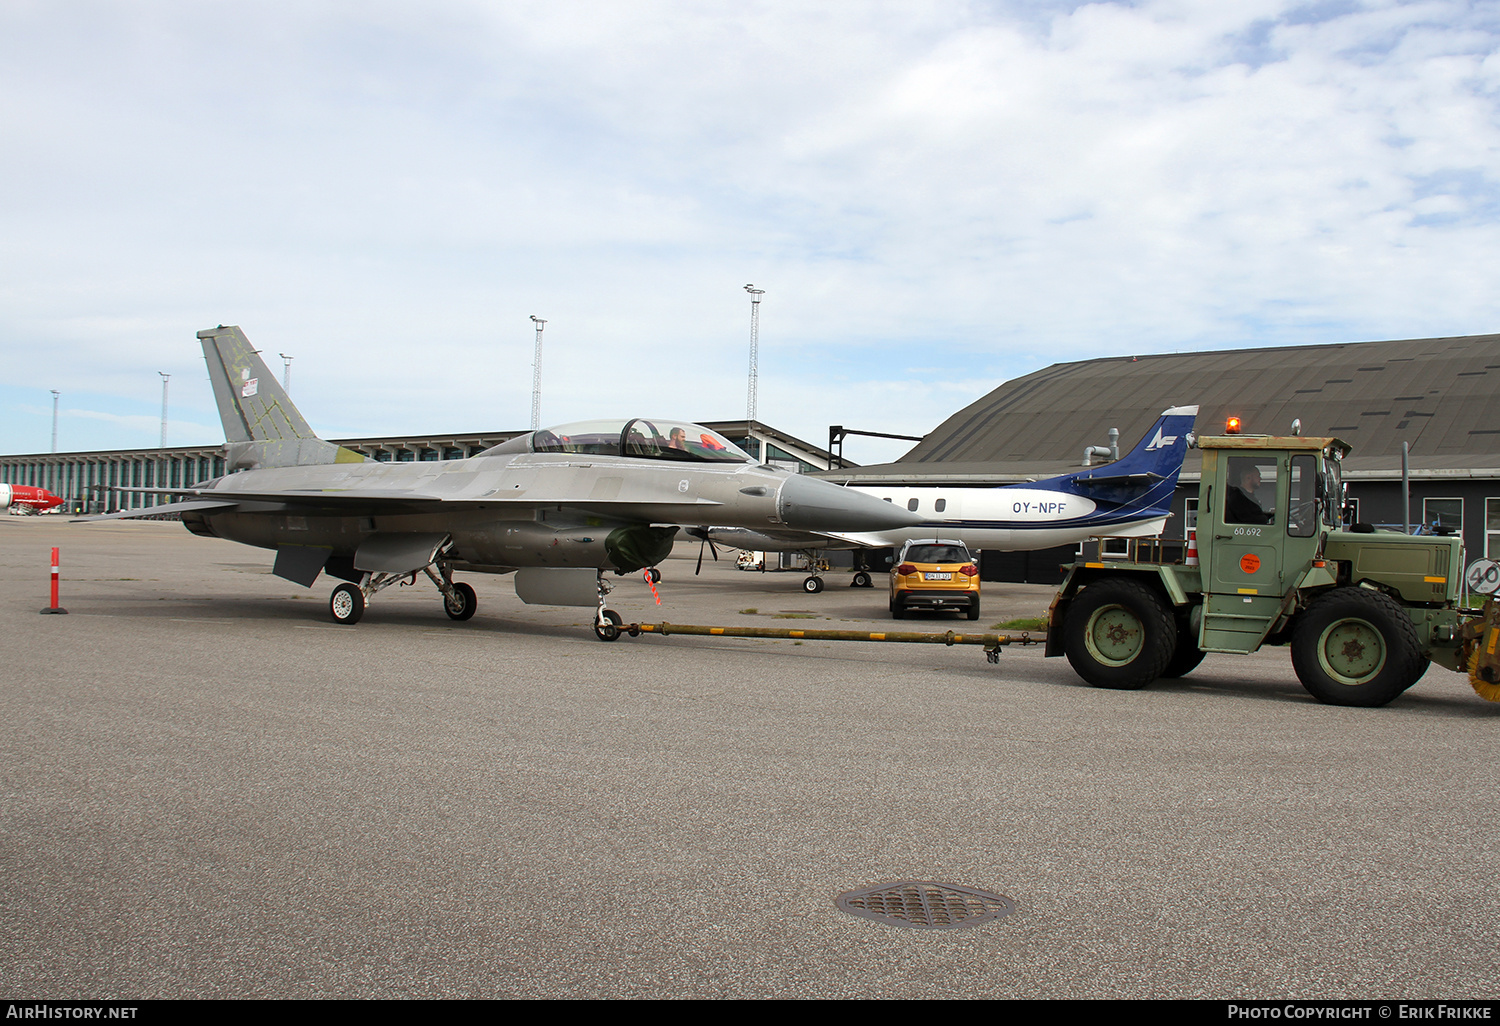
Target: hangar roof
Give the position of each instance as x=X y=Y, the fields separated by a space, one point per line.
x=1442 y=395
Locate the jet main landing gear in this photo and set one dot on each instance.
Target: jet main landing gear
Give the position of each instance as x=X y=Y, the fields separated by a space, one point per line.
x=349 y=601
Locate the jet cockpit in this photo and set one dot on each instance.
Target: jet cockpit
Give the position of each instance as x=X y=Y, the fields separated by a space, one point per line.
x=638 y=438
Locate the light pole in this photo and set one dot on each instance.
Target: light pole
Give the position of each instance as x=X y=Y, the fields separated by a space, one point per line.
x=752 y=396
x=286 y=374
x=536 y=375
x=165 y=377
x=55 y=394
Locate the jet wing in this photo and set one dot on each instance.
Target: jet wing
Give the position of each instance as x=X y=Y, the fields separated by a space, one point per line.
x=373 y=502
x=192 y=505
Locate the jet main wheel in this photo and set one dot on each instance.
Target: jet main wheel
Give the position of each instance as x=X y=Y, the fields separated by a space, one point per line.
x=812 y=585
x=1355 y=646
x=1119 y=634
x=347 y=604
x=610 y=629
x=468 y=602
x=861 y=580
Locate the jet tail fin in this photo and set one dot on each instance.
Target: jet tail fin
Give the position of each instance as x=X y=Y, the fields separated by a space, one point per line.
x=1159 y=453
x=1145 y=477
x=261 y=426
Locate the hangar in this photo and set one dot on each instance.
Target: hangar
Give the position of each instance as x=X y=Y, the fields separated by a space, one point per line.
x=1438 y=395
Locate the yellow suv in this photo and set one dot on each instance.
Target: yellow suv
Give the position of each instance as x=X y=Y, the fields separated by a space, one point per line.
x=936 y=575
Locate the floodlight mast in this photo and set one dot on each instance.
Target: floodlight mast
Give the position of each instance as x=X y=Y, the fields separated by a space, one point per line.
x=752 y=395
x=536 y=374
x=55 y=394
x=165 y=377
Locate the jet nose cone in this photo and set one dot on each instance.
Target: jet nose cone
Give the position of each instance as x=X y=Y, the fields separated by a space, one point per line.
x=809 y=504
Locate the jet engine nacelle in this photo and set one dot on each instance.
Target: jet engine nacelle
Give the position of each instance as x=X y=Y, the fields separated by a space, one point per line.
x=522 y=544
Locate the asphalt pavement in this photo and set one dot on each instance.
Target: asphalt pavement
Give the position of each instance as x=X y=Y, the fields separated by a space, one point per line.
x=208 y=789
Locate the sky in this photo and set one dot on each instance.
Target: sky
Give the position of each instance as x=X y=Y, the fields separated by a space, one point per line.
x=936 y=197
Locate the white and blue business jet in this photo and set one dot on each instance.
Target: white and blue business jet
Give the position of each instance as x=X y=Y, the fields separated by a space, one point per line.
x=1128 y=498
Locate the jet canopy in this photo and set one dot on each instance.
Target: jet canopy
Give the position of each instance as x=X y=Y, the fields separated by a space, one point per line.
x=638 y=438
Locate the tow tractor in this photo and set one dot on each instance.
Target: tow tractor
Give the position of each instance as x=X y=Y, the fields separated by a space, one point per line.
x=1363 y=611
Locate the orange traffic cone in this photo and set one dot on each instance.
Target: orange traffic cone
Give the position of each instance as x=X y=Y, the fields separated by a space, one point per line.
x=1192 y=549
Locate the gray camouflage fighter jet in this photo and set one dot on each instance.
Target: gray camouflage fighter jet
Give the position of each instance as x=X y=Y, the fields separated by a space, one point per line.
x=559 y=506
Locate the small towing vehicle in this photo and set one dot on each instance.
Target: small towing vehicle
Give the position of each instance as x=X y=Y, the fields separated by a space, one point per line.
x=1364 y=611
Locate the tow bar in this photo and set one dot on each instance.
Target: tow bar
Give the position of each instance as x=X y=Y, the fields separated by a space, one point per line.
x=992 y=642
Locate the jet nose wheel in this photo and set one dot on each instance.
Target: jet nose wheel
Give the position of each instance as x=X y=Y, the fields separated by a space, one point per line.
x=654 y=574
x=467 y=602
x=347 y=604
x=812 y=585
x=610 y=629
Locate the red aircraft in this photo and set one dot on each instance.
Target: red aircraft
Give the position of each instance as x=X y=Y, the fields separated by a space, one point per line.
x=26 y=499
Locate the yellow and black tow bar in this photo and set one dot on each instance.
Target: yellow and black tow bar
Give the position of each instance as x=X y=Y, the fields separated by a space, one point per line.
x=992 y=642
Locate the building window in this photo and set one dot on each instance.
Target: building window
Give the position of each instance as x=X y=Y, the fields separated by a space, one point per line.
x=1491 y=528
x=1189 y=515
x=1443 y=514
x=1351 y=512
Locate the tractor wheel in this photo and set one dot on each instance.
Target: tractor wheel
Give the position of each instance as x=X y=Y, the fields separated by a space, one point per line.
x=1188 y=655
x=1119 y=634
x=1355 y=646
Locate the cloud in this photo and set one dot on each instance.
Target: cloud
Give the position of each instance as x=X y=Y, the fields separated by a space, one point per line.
x=388 y=192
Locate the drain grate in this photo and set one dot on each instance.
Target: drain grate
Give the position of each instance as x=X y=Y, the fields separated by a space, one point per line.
x=925 y=905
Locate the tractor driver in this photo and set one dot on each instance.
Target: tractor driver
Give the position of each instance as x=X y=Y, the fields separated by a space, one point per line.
x=1241 y=506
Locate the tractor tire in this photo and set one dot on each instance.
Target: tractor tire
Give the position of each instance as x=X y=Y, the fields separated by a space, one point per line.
x=1358 y=647
x=1119 y=634
x=1187 y=656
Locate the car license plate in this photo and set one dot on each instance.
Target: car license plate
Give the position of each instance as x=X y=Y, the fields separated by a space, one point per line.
x=937 y=577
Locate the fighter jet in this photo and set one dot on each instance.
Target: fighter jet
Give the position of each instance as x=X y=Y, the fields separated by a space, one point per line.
x=1129 y=498
x=559 y=506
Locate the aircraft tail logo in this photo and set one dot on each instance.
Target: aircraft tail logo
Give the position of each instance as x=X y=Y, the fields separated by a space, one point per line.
x=261 y=426
x=1143 y=480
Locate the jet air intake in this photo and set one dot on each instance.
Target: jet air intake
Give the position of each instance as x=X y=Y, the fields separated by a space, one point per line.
x=638 y=546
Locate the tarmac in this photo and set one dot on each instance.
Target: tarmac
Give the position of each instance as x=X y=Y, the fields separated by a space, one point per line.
x=210 y=790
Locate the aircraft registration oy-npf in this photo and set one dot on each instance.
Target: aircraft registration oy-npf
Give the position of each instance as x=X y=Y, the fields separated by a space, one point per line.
x=559 y=507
